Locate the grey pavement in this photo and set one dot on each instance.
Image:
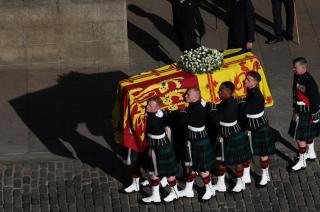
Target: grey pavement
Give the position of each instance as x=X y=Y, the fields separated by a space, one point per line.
x=72 y=180
x=72 y=185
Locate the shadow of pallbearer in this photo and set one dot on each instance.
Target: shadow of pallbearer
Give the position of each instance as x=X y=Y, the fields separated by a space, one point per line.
x=54 y=115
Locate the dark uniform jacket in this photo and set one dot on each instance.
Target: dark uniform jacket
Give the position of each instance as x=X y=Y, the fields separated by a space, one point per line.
x=186 y=15
x=228 y=112
x=253 y=105
x=254 y=101
x=305 y=89
x=241 y=23
x=196 y=115
x=156 y=127
x=155 y=124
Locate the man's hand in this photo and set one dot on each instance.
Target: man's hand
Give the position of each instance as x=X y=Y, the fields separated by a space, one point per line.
x=240 y=100
x=249 y=45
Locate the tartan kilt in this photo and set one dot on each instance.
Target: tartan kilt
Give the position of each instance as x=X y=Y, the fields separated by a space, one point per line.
x=166 y=161
x=202 y=155
x=306 y=130
x=236 y=149
x=262 y=141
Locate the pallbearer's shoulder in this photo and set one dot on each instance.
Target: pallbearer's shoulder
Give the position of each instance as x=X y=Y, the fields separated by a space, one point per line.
x=308 y=77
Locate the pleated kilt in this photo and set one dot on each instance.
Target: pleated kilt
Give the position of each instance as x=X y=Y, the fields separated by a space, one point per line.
x=236 y=149
x=262 y=141
x=165 y=161
x=202 y=155
x=306 y=129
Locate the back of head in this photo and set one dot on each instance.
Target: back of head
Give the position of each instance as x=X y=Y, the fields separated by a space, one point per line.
x=229 y=85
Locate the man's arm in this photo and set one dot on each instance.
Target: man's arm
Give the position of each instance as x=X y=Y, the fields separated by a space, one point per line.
x=250 y=21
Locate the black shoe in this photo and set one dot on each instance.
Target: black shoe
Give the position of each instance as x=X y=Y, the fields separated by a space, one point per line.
x=289 y=38
x=274 y=40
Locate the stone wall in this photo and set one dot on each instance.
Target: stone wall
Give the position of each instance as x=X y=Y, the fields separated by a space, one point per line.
x=79 y=33
x=60 y=62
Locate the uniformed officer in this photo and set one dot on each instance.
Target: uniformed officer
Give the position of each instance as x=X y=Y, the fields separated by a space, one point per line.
x=241 y=24
x=277 y=18
x=304 y=126
x=187 y=22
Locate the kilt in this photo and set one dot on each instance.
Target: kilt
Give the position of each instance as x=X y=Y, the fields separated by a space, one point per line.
x=202 y=155
x=262 y=141
x=306 y=130
x=166 y=161
x=236 y=149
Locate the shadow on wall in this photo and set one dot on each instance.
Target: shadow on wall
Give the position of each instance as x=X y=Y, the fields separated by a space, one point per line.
x=53 y=115
x=161 y=24
x=148 y=43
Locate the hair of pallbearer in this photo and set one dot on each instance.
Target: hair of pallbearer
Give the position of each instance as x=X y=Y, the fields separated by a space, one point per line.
x=255 y=75
x=157 y=100
x=229 y=85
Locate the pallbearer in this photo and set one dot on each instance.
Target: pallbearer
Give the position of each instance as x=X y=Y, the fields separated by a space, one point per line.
x=161 y=156
x=236 y=147
x=305 y=123
x=200 y=151
x=255 y=121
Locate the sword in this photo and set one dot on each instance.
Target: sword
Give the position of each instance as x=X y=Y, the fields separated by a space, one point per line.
x=167 y=129
x=220 y=139
x=296 y=21
x=165 y=50
x=154 y=162
x=127 y=161
x=296 y=119
x=249 y=134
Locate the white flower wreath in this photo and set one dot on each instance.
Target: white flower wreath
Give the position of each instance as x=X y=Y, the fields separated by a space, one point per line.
x=201 y=60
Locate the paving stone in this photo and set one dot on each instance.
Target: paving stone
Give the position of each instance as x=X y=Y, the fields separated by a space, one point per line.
x=17 y=174
x=68 y=175
x=8 y=172
x=7 y=195
x=250 y=207
x=276 y=208
x=53 y=198
x=17 y=209
x=35 y=199
x=17 y=198
x=34 y=184
x=68 y=165
x=59 y=165
x=26 y=180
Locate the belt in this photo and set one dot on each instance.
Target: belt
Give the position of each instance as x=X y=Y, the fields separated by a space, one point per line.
x=255 y=116
x=230 y=124
x=300 y=103
x=196 y=129
x=156 y=136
